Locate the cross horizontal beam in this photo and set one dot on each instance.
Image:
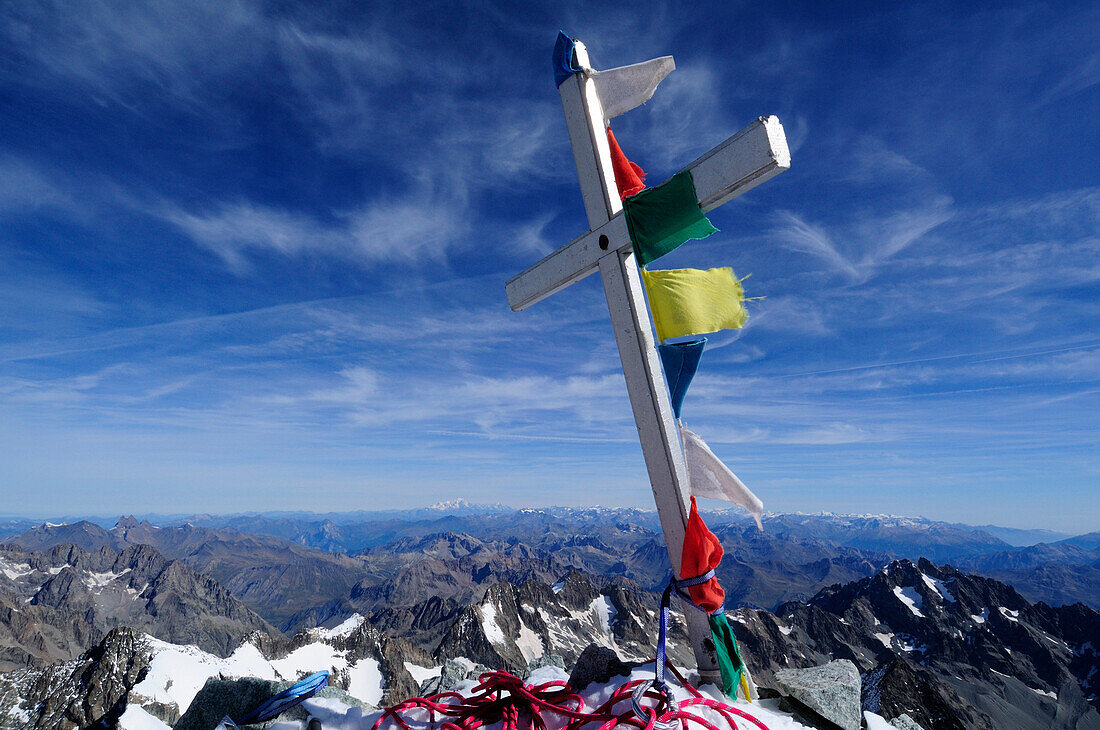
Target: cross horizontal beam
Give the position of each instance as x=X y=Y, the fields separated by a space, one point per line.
x=572 y=262
x=755 y=154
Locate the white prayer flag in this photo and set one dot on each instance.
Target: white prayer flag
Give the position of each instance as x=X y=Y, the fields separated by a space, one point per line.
x=624 y=88
x=712 y=479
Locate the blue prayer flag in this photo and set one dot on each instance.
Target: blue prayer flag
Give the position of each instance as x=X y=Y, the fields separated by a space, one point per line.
x=565 y=63
x=680 y=360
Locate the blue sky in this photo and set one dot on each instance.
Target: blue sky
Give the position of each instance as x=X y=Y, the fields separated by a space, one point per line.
x=252 y=256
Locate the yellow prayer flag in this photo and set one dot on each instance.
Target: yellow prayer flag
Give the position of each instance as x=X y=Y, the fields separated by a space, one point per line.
x=692 y=301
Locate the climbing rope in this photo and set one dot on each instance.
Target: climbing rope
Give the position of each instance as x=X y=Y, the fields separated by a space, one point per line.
x=503 y=697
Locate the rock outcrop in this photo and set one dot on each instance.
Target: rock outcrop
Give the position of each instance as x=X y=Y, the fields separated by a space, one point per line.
x=87 y=691
x=831 y=691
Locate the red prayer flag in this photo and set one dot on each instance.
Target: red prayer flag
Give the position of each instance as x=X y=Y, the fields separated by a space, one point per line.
x=629 y=178
x=702 y=552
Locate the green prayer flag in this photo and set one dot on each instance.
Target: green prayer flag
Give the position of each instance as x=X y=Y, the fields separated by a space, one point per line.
x=693 y=302
x=660 y=219
x=729 y=658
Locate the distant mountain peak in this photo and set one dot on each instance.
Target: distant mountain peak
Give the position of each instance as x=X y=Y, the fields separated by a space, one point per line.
x=459 y=503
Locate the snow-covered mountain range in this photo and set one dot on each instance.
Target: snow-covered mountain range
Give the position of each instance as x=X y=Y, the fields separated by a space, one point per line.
x=946 y=649
x=536 y=588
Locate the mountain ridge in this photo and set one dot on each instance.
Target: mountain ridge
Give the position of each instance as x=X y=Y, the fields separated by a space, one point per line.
x=55 y=603
x=948 y=649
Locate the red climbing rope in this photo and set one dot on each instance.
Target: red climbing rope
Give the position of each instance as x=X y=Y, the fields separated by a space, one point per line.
x=503 y=697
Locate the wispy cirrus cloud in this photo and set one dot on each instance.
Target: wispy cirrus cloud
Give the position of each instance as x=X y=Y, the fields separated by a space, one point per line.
x=807 y=238
x=24 y=187
x=346 y=90
x=1082 y=76
x=405 y=230
x=351 y=187
x=130 y=55
x=857 y=242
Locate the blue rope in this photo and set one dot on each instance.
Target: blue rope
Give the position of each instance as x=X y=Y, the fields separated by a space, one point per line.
x=289 y=697
x=677 y=587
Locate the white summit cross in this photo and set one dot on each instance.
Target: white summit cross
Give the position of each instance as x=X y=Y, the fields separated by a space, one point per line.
x=742 y=162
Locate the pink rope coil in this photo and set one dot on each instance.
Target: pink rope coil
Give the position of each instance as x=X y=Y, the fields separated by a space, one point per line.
x=503 y=697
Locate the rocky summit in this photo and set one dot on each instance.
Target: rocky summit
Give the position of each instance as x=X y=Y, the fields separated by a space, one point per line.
x=135 y=682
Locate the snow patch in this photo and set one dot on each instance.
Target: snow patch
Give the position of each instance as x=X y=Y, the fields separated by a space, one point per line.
x=937 y=585
x=1057 y=642
x=1043 y=692
x=785 y=630
x=14 y=570
x=177 y=673
x=467 y=663
x=135 y=718
x=876 y=722
x=529 y=643
x=605 y=613
x=549 y=673
x=422 y=674
x=365 y=681
x=980 y=618
x=885 y=639
x=19 y=714
x=333 y=714
x=1010 y=615
x=96 y=581
x=910 y=598
x=346 y=628
x=306 y=660
x=489 y=624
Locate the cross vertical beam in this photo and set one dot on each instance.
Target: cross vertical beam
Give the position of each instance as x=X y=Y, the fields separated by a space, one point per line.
x=645 y=381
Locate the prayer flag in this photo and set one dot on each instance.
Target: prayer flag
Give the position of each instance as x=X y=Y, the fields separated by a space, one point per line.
x=629 y=178
x=710 y=478
x=680 y=360
x=565 y=63
x=729 y=658
x=660 y=219
x=692 y=301
x=702 y=552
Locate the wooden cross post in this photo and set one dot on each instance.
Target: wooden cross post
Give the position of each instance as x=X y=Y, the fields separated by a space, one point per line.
x=743 y=161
